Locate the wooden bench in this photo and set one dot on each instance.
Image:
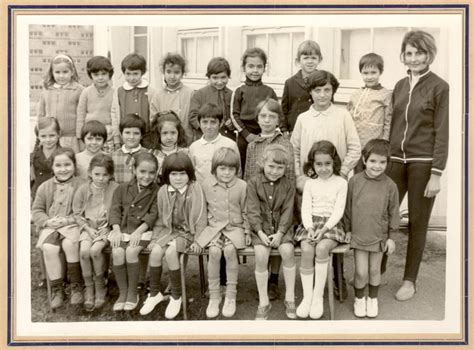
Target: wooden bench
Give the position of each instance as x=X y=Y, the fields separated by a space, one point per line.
x=339 y=251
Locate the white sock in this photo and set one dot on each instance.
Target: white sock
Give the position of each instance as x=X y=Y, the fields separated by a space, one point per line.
x=321 y=272
x=307 y=276
x=262 y=285
x=289 y=274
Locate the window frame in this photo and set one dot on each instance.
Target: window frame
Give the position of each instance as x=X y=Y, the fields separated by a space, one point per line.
x=133 y=37
x=202 y=32
x=250 y=30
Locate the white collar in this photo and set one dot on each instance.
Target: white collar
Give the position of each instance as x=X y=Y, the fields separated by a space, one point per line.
x=171 y=189
x=205 y=142
x=324 y=113
x=131 y=151
x=143 y=84
x=65 y=86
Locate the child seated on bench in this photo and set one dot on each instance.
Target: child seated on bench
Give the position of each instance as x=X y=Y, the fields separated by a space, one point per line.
x=270 y=209
x=227 y=229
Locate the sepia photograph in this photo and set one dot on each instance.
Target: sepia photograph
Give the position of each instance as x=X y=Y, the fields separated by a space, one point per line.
x=233 y=175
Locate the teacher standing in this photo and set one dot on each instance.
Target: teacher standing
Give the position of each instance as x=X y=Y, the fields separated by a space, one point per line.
x=419 y=144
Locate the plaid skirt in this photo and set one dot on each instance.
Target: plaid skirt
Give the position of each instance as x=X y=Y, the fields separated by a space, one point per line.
x=336 y=233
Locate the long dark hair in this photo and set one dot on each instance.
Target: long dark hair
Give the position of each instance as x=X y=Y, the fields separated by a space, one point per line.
x=322 y=147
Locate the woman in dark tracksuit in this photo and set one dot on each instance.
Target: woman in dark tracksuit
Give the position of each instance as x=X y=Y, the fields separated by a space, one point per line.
x=419 y=145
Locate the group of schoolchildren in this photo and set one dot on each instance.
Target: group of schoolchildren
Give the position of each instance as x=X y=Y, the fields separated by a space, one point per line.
x=175 y=170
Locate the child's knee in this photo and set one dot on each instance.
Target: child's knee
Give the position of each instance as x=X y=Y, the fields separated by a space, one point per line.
x=215 y=253
x=50 y=250
x=322 y=251
x=118 y=254
x=96 y=251
x=287 y=252
x=230 y=253
x=131 y=254
x=85 y=253
x=374 y=272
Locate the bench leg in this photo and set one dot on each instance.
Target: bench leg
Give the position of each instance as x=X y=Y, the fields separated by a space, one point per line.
x=183 y=286
x=339 y=260
x=330 y=289
x=202 y=276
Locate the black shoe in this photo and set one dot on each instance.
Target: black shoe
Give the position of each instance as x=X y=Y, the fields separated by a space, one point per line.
x=273 y=291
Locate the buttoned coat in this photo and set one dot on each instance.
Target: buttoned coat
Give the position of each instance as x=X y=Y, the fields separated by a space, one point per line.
x=270 y=212
x=226 y=211
x=195 y=211
x=130 y=208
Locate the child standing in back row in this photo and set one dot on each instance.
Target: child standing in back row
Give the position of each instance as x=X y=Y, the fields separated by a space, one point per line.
x=370 y=220
x=60 y=98
x=174 y=95
x=371 y=106
x=246 y=98
x=217 y=92
x=296 y=97
x=95 y=102
x=134 y=96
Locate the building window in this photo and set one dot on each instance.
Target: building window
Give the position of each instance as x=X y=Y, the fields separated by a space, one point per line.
x=198 y=47
x=386 y=42
x=140 y=41
x=280 y=45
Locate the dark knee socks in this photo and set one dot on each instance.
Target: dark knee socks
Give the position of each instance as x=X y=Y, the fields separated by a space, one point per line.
x=155 y=279
x=132 y=273
x=175 y=279
x=74 y=272
x=120 y=272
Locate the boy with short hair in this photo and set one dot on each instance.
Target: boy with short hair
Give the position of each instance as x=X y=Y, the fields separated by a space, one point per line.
x=217 y=92
x=132 y=129
x=371 y=105
x=134 y=96
x=210 y=118
x=93 y=135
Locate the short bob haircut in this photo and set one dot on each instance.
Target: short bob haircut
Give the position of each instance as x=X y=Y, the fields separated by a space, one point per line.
x=422 y=41
x=68 y=152
x=102 y=160
x=308 y=47
x=225 y=156
x=275 y=153
x=371 y=60
x=99 y=64
x=273 y=106
x=321 y=78
x=380 y=147
x=133 y=121
x=254 y=52
x=158 y=120
x=173 y=58
x=218 y=65
x=134 y=61
x=95 y=128
x=322 y=147
x=46 y=122
x=145 y=157
x=178 y=161
x=210 y=110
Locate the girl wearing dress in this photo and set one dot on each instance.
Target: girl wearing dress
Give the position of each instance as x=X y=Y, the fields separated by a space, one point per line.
x=52 y=214
x=182 y=215
x=91 y=207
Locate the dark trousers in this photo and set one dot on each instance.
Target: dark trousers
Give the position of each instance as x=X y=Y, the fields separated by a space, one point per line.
x=412 y=179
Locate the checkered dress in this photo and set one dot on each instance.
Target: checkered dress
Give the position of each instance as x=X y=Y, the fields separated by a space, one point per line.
x=123 y=164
